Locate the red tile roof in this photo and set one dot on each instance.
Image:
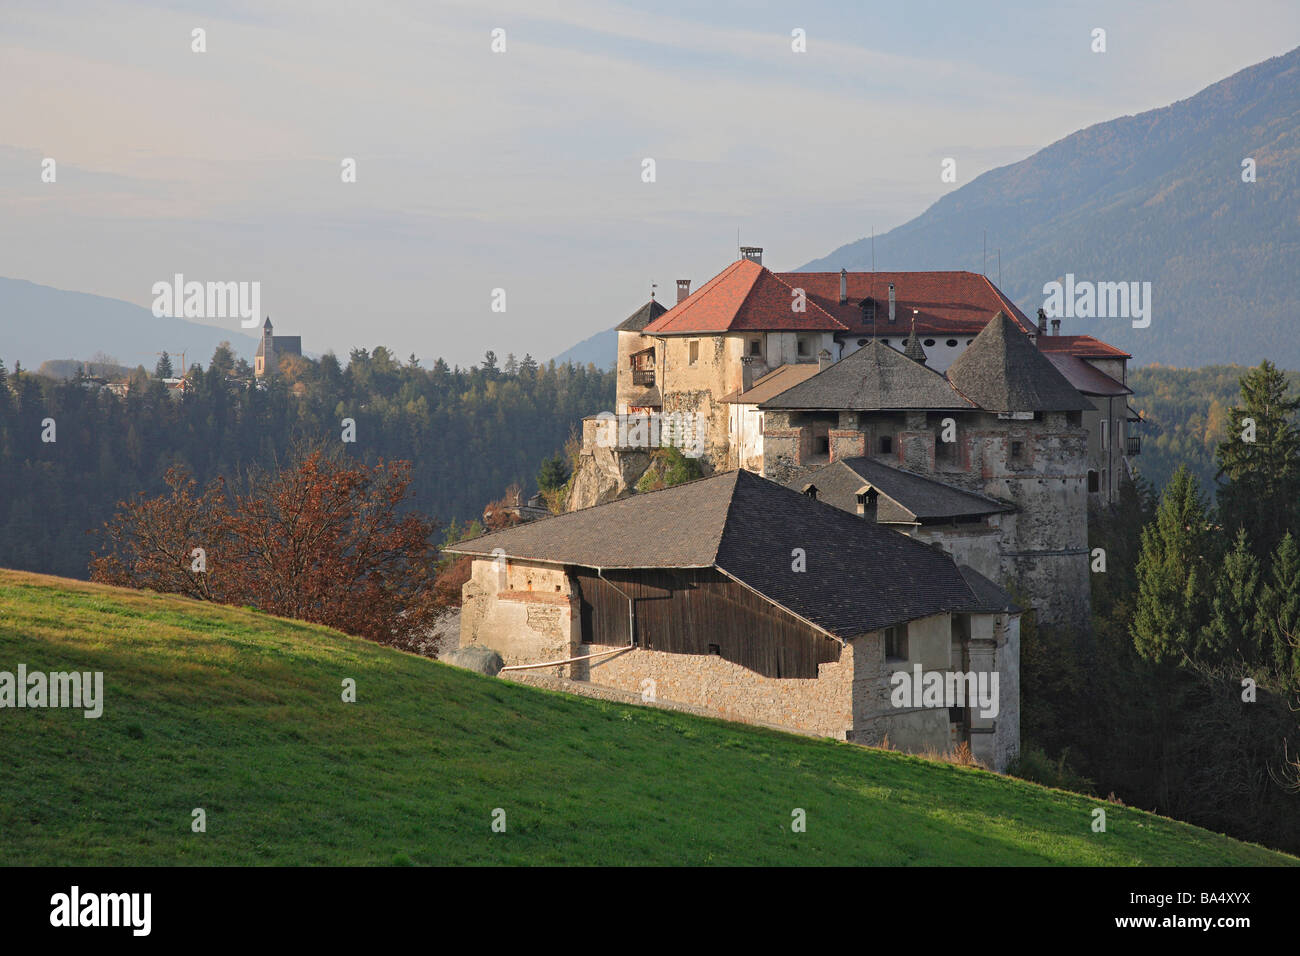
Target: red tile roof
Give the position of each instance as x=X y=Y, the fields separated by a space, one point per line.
x=947 y=303
x=744 y=297
x=1083 y=346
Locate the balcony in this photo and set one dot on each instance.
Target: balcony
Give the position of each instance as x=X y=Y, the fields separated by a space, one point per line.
x=1134 y=445
x=643 y=376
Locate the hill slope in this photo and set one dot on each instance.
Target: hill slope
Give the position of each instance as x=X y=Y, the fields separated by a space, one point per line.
x=1156 y=197
x=40 y=323
x=240 y=714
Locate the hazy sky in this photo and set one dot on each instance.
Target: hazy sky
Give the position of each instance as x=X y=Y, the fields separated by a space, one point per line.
x=522 y=170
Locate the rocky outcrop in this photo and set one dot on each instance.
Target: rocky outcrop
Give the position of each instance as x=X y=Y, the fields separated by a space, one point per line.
x=604 y=474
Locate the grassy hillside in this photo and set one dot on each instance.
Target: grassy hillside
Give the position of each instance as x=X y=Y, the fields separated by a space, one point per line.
x=240 y=714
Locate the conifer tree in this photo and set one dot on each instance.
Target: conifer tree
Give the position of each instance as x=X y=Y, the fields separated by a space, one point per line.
x=1260 y=478
x=1280 y=612
x=1233 y=630
x=164 y=367
x=1173 y=571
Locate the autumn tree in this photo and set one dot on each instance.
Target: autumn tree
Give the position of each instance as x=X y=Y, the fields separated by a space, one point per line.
x=172 y=543
x=325 y=540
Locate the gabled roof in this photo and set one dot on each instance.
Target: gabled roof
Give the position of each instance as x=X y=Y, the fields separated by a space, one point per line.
x=905 y=497
x=744 y=297
x=858 y=576
x=642 y=317
x=872 y=378
x=1002 y=371
x=773 y=384
x=946 y=303
x=1084 y=346
x=1088 y=379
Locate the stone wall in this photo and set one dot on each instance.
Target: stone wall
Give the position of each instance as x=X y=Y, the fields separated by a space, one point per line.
x=526 y=612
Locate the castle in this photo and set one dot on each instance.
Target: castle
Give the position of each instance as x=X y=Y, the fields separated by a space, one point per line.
x=933 y=382
x=890 y=457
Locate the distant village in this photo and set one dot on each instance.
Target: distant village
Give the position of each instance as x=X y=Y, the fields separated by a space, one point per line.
x=105 y=375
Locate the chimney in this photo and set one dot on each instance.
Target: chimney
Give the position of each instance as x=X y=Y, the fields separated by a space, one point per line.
x=747 y=363
x=683 y=289
x=824 y=360
x=844 y=286
x=1056 y=326
x=752 y=253
x=891 y=302
x=1042 y=322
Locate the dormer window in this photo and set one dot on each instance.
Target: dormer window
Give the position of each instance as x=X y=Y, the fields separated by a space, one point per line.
x=869 y=309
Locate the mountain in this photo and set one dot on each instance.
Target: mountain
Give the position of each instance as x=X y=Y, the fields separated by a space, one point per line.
x=38 y=323
x=1158 y=197
x=600 y=350
x=238 y=712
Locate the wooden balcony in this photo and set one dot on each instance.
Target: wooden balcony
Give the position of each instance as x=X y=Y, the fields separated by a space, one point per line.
x=643 y=376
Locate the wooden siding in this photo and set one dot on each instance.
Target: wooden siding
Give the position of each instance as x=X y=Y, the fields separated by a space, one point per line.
x=685 y=611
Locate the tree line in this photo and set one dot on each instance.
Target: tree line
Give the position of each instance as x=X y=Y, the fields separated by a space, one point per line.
x=71 y=450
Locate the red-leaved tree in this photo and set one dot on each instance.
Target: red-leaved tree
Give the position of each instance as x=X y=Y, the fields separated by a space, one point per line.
x=324 y=540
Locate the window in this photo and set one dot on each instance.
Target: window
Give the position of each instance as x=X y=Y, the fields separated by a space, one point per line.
x=886 y=444
x=861 y=342
x=884 y=341
x=929 y=343
x=1094 y=482
x=821 y=445
x=804 y=346
x=1017 y=450
x=951 y=343
x=956 y=715
x=1105 y=433
x=693 y=353
x=896 y=643
x=869 y=308
x=715 y=650
x=756 y=348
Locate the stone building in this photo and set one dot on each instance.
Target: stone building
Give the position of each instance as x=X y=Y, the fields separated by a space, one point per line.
x=792 y=372
x=755 y=603
x=271 y=348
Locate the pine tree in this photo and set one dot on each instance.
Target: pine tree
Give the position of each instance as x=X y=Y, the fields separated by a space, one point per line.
x=1260 y=479
x=164 y=367
x=1280 y=612
x=1172 y=572
x=1233 y=631
x=553 y=474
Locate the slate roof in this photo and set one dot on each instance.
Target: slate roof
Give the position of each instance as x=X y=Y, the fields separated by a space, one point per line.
x=642 y=317
x=772 y=384
x=859 y=576
x=874 y=377
x=904 y=495
x=947 y=303
x=1086 y=378
x=744 y=297
x=990 y=598
x=1002 y=371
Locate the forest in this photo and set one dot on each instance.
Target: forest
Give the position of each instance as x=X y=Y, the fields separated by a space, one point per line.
x=70 y=450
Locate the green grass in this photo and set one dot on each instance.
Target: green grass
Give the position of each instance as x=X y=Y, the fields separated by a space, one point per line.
x=241 y=714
